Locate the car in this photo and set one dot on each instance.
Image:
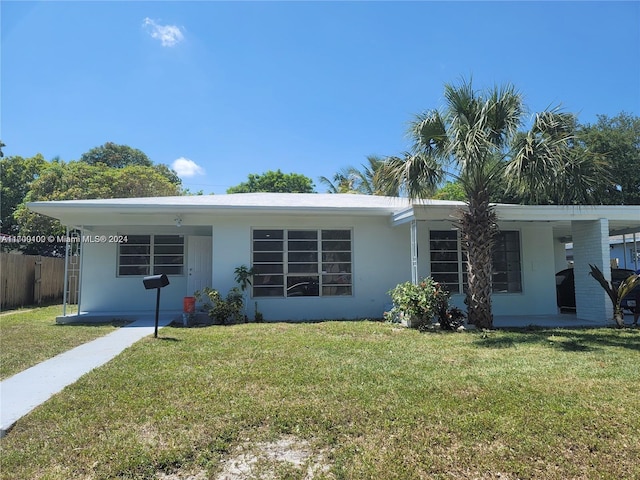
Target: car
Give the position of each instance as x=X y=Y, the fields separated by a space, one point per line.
x=566 y=289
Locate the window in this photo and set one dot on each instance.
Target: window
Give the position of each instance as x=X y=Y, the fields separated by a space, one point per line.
x=506 y=277
x=144 y=254
x=301 y=263
x=448 y=263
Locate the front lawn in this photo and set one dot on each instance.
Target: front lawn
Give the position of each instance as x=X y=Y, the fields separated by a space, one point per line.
x=348 y=400
x=30 y=336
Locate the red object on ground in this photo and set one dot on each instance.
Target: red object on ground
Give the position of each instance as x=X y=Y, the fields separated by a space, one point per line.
x=189 y=305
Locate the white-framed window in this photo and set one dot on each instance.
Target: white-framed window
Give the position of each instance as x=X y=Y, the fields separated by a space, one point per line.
x=301 y=262
x=448 y=262
x=151 y=255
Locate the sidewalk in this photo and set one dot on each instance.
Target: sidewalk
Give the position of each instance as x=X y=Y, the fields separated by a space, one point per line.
x=26 y=390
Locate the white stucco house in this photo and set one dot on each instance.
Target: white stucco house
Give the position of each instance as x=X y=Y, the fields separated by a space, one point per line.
x=326 y=256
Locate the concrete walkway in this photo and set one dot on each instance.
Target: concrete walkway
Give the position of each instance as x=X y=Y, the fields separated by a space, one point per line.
x=560 y=320
x=26 y=390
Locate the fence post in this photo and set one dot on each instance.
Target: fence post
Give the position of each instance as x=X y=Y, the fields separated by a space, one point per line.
x=37 y=281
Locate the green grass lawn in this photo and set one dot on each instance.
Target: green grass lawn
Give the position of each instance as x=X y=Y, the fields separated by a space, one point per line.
x=30 y=336
x=364 y=400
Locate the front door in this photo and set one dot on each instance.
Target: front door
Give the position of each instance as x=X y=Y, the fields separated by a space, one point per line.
x=198 y=263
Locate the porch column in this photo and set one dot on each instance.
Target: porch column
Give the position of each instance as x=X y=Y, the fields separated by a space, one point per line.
x=414 y=252
x=591 y=246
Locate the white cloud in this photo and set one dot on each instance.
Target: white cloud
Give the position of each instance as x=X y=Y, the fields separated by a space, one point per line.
x=187 y=168
x=169 y=35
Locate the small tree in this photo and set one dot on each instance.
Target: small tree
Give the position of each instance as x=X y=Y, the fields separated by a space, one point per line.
x=243 y=276
x=615 y=293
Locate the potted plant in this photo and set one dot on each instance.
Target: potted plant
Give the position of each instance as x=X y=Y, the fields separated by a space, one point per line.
x=615 y=293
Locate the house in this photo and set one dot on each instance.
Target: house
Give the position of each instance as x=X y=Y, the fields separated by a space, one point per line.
x=326 y=256
x=625 y=251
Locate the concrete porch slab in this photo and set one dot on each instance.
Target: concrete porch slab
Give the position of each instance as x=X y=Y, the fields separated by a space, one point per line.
x=560 y=320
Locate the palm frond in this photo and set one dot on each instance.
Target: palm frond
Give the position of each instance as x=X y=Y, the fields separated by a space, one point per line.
x=429 y=134
x=609 y=288
x=419 y=175
x=546 y=167
x=627 y=285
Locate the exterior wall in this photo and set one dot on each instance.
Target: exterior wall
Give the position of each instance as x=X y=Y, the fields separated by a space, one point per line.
x=591 y=246
x=380 y=260
x=538 y=296
x=560 y=253
x=102 y=291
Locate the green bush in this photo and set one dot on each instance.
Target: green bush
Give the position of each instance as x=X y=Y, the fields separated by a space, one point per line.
x=222 y=310
x=420 y=304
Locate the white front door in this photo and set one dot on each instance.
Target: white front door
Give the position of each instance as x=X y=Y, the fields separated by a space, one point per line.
x=198 y=263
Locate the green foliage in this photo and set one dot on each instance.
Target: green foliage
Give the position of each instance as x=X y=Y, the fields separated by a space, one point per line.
x=371 y=179
x=30 y=336
x=79 y=180
x=373 y=402
x=615 y=293
x=476 y=139
x=222 y=310
x=2 y=144
x=451 y=191
x=617 y=139
x=116 y=156
x=121 y=156
x=277 y=182
x=419 y=304
x=243 y=276
x=16 y=176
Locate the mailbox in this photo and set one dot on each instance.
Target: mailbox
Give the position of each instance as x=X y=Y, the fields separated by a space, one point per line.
x=155 y=281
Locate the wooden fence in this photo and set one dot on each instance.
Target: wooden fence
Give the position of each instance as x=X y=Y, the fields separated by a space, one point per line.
x=30 y=280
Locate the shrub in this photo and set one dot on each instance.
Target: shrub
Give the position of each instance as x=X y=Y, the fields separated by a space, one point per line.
x=222 y=310
x=419 y=304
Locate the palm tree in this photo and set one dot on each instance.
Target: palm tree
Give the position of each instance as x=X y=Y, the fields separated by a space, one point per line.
x=476 y=140
x=342 y=181
x=372 y=179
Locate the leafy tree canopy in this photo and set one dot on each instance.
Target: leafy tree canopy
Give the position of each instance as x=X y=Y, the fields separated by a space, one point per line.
x=276 y=182
x=16 y=176
x=116 y=156
x=120 y=156
x=79 y=181
x=618 y=140
x=451 y=191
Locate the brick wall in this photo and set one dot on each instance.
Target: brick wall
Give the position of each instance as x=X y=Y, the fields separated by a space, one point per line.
x=591 y=246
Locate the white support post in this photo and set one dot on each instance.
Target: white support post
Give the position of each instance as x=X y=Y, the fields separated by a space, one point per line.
x=80 y=250
x=66 y=274
x=414 y=252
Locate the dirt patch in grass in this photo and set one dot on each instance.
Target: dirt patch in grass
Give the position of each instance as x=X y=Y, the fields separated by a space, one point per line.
x=286 y=457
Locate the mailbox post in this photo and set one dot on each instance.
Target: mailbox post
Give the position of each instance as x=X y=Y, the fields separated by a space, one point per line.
x=157 y=282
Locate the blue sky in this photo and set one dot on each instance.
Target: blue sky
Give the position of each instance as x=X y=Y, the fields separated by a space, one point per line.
x=233 y=88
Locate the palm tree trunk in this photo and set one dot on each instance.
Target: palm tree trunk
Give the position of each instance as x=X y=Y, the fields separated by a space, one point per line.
x=478 y=230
